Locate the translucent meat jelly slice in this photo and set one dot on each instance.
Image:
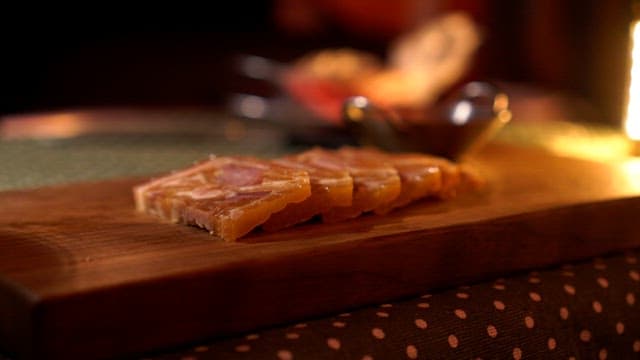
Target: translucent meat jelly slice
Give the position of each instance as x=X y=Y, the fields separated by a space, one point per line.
x=229 y=196
x=424 y=175
x=375 y=183
x=420 y=175
x=331 y=186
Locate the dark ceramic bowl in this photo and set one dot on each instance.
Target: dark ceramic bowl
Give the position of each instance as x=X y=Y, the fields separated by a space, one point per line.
x=455 y=128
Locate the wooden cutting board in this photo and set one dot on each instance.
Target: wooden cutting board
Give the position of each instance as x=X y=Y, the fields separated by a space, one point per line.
x=83 y=275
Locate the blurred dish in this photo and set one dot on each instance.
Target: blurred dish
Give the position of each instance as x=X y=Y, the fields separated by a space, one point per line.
x=422 y=65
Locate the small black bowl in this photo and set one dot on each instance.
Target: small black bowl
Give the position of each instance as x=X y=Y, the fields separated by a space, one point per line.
x=454 y=129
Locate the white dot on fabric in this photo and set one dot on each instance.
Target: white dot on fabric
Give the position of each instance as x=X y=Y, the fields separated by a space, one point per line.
x=333 y=343
x=339 y=324
x=517 y=353
x=462 y=295
x=420 y=323
x=634 y=275
x=412 y=352
x=425 y=296
x=529 y=322
x=378 y=333
x=453 y=341
x=386 y=305
x=551 y=344
x=499 y=305
x=243 y=348
x=602 y=354
x=499 y=286
x=630 y=298
x=603 y=282
x=619 y=328
x=300 y=326
x=597 y=307
x=535 y=280
x=492 y=331
x=569 y=289
x=423 y=305
x=535 y=296
x=564 y=313
x=284 y=355
x=585 y=335
x=460 y=313
x=382 y=314
x=292 y=336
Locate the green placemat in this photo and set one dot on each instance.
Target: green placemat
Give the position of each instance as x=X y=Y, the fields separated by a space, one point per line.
x=34 y=163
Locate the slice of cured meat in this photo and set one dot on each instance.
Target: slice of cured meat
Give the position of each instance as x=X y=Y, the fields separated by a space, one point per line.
x=229 y=196
x=420 y=175
x=375 y=184
x=331 y=186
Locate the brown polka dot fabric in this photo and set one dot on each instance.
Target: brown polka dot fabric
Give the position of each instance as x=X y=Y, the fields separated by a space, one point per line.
x=588 y=310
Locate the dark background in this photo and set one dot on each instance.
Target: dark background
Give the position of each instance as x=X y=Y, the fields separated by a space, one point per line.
x=165 y=55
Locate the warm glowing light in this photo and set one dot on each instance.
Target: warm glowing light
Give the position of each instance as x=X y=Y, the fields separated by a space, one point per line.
x=632 y=169
x=604 y=149
x=632 y=122
x=58 y=125
x=595 y=143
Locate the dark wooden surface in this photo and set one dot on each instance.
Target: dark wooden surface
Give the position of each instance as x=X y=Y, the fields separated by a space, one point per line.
x=82 y=274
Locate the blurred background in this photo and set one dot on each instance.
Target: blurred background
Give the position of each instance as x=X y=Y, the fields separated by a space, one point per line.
x=572 y=54
x=92 y=91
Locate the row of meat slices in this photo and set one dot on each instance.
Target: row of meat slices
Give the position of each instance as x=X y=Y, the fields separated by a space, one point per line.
x=230 y=196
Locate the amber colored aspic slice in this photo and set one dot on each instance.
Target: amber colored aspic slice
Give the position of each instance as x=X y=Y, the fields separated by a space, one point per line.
x=424 y=175
x=331 y=186
x=455 y=177
x=420 y=175
x=375 y=184
x=229 y=196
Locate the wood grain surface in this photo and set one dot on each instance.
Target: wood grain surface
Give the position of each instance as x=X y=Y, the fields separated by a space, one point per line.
x=83 y=275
